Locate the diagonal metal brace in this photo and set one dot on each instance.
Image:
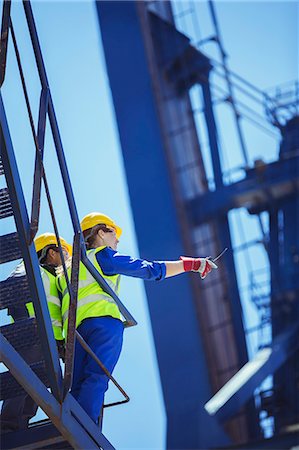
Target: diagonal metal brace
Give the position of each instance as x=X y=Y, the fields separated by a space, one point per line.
x=39 y=168
x=239 y=389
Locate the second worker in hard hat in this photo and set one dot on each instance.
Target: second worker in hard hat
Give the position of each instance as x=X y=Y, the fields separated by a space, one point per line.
x=98 y=317
x=16 y=412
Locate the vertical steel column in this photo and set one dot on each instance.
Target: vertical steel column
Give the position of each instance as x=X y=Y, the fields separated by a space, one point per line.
x=284 y=262
x=222 y=223
x=212 y=133
x=182 y=362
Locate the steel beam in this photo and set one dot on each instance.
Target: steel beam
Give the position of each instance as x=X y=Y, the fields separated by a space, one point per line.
x=182 y=362
x=238 y=390
x=260 y=188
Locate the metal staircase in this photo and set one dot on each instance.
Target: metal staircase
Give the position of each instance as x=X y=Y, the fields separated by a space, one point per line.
x=41 y=377
x=72 y=425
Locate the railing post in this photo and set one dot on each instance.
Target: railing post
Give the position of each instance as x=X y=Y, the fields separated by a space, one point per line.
x=4 y=38
x=38 y=169
x=71 y=329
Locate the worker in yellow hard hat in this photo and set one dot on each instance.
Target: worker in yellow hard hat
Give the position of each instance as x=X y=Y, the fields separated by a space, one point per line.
x=98 y=317
x=48 y=240
x=16 y=412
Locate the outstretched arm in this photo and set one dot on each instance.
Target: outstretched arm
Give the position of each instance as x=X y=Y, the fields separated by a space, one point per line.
x=113 y=263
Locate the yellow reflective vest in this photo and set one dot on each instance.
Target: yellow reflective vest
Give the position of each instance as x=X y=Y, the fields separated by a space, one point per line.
x=54 y=304
x=92 y=299
x=53 y=299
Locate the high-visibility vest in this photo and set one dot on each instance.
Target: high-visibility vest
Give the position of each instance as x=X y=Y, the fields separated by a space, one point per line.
x=53 y=299
x=92 y=301
x=54 y=303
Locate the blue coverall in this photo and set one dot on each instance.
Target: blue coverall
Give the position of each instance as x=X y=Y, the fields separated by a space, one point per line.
x=104 y=335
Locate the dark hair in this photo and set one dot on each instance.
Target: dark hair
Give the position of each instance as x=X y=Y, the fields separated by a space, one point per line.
x=90 y=234
x=43 y=253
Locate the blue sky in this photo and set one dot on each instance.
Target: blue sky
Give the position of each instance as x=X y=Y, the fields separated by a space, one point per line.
x=261 y=39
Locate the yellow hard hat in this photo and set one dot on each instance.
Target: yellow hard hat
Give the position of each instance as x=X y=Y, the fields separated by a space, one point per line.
x=97 y=218
x=46 y=239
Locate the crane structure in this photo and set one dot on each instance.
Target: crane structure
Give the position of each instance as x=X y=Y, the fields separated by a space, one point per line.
x=213 y=388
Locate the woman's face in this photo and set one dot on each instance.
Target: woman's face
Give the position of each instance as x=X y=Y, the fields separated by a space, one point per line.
x=109 y=238
x=53 y=256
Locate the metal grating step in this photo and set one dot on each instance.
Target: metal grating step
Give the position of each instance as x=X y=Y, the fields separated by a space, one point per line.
x=5 y=204
x=14 y=292
x=9 y=248
x=10 y=388
x=1 y=167
x=21 y=334
x=39 y=436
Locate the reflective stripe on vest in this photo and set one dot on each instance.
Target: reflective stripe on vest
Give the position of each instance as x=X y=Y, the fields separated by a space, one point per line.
x=89 y=299
x=92 y=301
x=90 y=279
x=49 y=284
x=54 y=303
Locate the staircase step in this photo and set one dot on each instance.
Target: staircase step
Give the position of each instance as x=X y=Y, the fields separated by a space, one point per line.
x=10 y=388
x=64 y=445
x=5 y=204
x=22 y=334
x=9 y=248
x=14 y=292
x=35 y=437
x=1 y=167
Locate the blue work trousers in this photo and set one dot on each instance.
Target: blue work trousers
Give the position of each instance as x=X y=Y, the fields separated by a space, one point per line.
x=104 y=335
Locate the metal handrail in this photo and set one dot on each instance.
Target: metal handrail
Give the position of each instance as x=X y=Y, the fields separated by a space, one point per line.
x=78 y=240
x=38 y=170
x=70 y=341
x=105 y=370
x=130 y=321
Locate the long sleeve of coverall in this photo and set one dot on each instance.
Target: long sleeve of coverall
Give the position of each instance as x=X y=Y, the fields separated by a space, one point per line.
x=113 y=263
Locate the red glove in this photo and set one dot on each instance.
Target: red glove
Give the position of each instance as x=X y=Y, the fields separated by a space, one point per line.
x=201 y=265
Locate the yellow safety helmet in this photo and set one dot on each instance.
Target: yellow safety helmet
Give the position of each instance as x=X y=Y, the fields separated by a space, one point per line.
x=46 y=239
x=97 y=218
